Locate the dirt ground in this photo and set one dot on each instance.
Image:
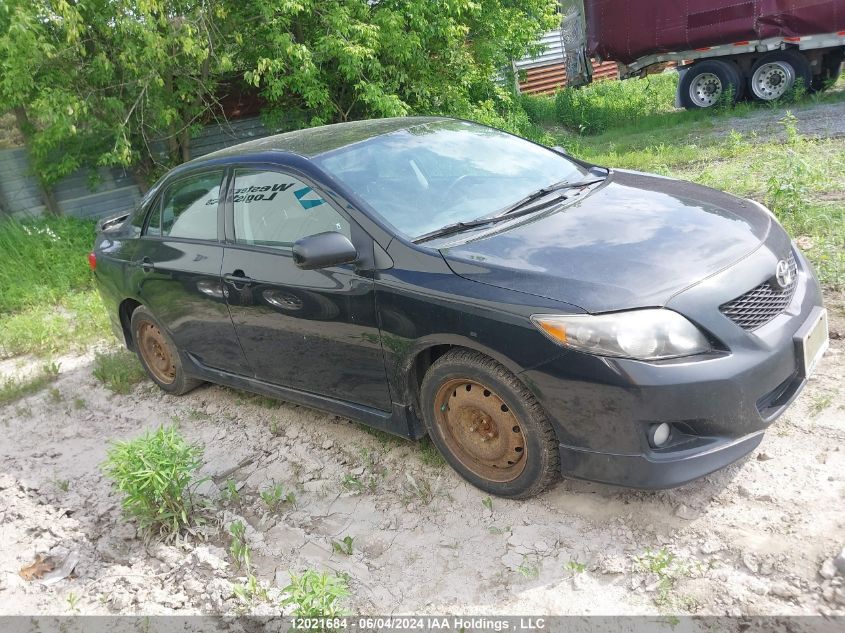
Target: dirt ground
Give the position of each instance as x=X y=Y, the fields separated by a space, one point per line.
x=756 y=538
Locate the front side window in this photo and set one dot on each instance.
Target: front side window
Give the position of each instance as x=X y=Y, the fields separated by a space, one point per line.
x=434 y=174
x=276 y=209
x=188 y=208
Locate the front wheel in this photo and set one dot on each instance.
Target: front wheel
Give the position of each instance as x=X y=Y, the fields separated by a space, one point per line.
x=708 y=83
x=158 y=354
x=489 y=426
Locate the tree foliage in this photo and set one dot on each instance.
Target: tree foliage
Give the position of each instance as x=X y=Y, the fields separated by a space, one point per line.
x=129 y=82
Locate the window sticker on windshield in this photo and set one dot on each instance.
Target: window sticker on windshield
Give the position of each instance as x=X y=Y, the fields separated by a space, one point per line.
x=307 y=203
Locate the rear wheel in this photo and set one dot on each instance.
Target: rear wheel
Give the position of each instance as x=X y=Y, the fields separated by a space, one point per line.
x=777 y=73
x=709 y=83
x=489 y=426
x=158 y=354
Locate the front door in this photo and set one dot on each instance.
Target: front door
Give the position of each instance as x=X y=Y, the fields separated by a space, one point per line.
x=177 y=271
x=312 y=330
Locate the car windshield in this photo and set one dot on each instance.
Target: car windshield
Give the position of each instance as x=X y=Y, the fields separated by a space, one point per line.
x=435 y=174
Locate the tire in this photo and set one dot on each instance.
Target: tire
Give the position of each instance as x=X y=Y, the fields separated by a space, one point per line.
x=705 y=83
x=469 y=400
x=776 y=73
x=158 y=354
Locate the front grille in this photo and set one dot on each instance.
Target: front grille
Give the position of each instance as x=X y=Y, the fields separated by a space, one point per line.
x=760 y=305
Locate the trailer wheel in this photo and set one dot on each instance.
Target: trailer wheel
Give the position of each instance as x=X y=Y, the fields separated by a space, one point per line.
x=706 y=84
x=776 y=73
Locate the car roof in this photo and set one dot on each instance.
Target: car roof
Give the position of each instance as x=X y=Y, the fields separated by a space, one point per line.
x=310 y=142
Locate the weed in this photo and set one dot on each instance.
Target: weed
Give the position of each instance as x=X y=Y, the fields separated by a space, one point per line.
x=79 y=403
x=353 y=483
x=666 y=567
x=529 y=569
x=820 y=402
x=314 y=594
x=154 y=473
x=72 y=602
x=197 y=414
x=251 y=592
x=418 y=488
x=576 y=567
x=230 y=494
x=276 y=428
x=118 y=370
x=386 y=440
x=62 y=484
x=13 y=389
x=429 y=455
x=344 y=546
x=497 y=530
x=487 y=502
x=274 y=496
x=239 y=548
x=22 y=412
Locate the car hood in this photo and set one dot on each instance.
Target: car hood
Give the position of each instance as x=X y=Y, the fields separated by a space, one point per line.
x=634 y=241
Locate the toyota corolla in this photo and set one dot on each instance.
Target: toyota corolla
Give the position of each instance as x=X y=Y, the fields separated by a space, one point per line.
x=535 y=315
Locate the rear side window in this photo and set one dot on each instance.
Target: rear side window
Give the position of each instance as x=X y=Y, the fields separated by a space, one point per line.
x=276 y=209
x=188 y=208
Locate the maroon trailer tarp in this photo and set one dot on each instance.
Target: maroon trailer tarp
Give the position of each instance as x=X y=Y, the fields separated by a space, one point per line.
x=625 y=30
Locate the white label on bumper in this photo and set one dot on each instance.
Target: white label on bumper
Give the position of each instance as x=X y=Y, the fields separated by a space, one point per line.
x=815 y=343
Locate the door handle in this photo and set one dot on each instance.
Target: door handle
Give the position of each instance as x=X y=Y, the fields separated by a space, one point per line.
x=147 y=265
x=238 y=279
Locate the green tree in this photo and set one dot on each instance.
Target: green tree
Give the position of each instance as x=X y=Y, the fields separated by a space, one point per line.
x=107 y=82
x=130 y=82
x=322 y=62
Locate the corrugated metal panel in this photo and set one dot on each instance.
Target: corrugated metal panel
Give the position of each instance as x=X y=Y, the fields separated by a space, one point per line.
x=552 y=54
x=215 y=137
x=18 y=188
x=552 y=77
x=115 y=190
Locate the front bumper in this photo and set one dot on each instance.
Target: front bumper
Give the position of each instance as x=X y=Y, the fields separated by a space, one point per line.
x=719 y=405
x=655 y=470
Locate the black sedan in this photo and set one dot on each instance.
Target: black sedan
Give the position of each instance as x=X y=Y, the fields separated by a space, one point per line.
x=532 y=313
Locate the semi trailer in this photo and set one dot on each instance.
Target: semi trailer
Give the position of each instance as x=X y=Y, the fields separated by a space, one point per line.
x=723 y=49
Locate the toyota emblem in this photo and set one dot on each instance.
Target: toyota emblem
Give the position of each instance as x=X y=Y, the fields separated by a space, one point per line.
x=783 y=274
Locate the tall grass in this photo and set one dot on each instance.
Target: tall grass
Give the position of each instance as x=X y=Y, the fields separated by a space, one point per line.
x=42 y=261
x=48 y=303
x=608 y=104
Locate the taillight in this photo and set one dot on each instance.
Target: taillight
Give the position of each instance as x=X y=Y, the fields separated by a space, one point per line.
x=92 y=260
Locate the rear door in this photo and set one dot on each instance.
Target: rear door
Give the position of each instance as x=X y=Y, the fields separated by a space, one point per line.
x=312 y=330
x=177 y=270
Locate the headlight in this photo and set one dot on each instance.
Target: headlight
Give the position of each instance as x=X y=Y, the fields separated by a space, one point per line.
x=642 y=334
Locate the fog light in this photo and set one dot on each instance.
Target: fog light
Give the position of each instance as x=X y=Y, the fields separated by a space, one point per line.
x=658 y=434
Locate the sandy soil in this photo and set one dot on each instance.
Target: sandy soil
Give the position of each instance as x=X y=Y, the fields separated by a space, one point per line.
x=759 y=537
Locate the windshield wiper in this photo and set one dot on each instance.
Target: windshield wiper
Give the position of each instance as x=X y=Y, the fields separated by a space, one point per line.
x=515 y=210
x=540 y=193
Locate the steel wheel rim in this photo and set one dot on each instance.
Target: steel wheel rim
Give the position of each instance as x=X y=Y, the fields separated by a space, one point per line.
x=156 y=352
x=480 y=430
x=706 y=90
x=773 y=80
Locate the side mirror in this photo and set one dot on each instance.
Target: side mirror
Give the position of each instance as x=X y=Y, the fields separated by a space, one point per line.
x=323 y=250
x=561 y=150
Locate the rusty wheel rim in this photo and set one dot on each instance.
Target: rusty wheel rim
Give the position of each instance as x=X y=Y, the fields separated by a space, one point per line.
x=480 y=430
x=156 y=352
